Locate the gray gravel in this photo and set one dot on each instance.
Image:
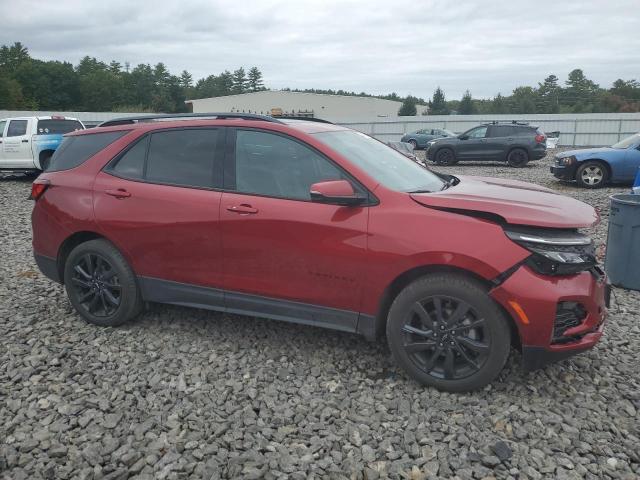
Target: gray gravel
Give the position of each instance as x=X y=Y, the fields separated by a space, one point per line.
x=184 y=393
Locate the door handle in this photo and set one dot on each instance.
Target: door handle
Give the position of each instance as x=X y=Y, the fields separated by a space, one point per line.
x=243 y=209
x=119 y=193
x=25 y=141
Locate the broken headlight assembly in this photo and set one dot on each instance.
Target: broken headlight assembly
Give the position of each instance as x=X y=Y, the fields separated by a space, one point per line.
x=555 y=252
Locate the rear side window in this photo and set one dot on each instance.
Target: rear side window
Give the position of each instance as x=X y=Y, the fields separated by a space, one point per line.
x=76 y=150
x=176 y=157
x=3 y=123
x=17 y=128
x=53 y=126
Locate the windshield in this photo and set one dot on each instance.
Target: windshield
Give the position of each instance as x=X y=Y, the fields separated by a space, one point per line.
x=58 y=126
x=627 y=142
x=387 y=166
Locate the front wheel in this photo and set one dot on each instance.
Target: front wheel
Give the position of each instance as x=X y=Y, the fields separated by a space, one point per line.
x=446 y=332
x=413 y=143
x=592 y=175
x=100 y=284
x=445 y=156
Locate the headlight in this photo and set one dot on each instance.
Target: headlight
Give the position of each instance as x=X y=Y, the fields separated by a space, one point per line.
x=566 y=161
x=555 y=252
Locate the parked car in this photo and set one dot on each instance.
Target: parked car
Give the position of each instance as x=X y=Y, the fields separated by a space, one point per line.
x=515 y=143
x=595 y=167
x=420 y=138
x=318 y=224
x=405 y=149
x=27 y=143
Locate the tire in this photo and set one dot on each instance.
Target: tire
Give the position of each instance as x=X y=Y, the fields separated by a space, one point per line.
x=518 y=157
x=100 y=284
x=592 y=175
x=475 y=346
x=445 y=156
x=413 y=143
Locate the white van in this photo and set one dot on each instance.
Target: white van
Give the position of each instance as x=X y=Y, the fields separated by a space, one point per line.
x=27 y=143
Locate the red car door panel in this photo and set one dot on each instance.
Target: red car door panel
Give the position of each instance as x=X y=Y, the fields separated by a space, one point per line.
x=171 y=233
x=287 y=249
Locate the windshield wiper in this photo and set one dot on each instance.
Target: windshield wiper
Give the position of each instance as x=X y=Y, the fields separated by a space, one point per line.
x=421 y=191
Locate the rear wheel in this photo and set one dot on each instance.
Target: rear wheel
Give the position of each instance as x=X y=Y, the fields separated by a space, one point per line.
x=445 y=156
x=518 y=157
x=592 y=175
x=445 y=332
x=100 y=284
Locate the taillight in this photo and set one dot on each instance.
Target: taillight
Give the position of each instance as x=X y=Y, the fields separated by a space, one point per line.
x=540 y=138
x=38 y=187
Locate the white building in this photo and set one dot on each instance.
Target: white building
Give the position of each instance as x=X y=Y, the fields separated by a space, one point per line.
x=328 y=107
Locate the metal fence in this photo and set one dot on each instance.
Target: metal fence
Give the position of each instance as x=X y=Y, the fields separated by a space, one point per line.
x=585 y=129
x=589 y=129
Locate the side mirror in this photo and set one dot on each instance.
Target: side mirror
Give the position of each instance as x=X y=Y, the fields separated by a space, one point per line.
x=463 y=137
x=335 y=192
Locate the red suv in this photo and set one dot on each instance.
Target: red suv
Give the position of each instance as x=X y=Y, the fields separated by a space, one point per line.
x=313 y=223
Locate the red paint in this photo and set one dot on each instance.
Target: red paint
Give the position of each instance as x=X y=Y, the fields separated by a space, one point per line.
x=328 y=255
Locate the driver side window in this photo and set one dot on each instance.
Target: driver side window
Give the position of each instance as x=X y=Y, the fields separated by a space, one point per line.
x=479 y=132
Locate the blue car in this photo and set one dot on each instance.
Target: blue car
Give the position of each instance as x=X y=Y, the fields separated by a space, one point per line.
x=420 y=138
x=595 y=167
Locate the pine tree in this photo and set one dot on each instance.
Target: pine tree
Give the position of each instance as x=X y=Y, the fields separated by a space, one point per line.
x=408 y=108
x=466 y=104
x=254 y=82
x=239 y=81
x=438 y=105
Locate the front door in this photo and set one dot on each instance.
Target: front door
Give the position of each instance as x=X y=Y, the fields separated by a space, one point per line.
x=16 y=145
x=282 y=253
x=166 y=187
x=474 y=146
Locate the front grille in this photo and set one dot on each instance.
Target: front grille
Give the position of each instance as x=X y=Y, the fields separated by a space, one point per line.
x=568 y=315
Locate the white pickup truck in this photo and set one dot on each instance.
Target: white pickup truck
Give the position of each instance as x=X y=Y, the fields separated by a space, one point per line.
x=27 y=143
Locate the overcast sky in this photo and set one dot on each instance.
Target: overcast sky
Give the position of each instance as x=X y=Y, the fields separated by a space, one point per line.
x=372 y=46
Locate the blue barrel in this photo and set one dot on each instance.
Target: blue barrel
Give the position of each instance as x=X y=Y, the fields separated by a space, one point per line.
x=622 y=262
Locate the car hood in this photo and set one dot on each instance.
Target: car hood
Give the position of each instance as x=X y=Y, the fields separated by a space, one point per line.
x=519 y=203
x=592 y=152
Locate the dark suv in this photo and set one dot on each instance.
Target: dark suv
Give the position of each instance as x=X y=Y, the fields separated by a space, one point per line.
x=513 y=142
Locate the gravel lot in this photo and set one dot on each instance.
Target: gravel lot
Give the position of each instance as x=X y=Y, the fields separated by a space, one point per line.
x=184 y=393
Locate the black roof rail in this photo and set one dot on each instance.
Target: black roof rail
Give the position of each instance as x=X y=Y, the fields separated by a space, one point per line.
x=513 y=122
x=178 y=116
x=306 y=119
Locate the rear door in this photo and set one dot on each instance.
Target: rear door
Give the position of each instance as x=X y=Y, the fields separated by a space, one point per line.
x=16 y=145
x=159 y=202
x=500 y=138
x=307 y=258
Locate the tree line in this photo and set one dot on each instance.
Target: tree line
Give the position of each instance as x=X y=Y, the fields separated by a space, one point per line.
x=27 y=83
x=578 y=95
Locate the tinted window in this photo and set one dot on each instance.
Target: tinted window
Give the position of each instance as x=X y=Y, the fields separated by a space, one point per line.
x=53 y=126
x=385 y=165
x=131 y=164
x=501 y=131
x=276 y=166
x=3 y=123
x=76 y=150
x=17 y=128
x=182 y=157
x=523 y=131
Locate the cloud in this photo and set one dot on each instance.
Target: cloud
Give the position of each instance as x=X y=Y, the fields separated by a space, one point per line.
x=373 y=46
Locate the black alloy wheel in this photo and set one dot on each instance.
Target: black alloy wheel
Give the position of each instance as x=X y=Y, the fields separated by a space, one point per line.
x=518 y=157
x=445 y=156
x=96 y=285
x=446 y=338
